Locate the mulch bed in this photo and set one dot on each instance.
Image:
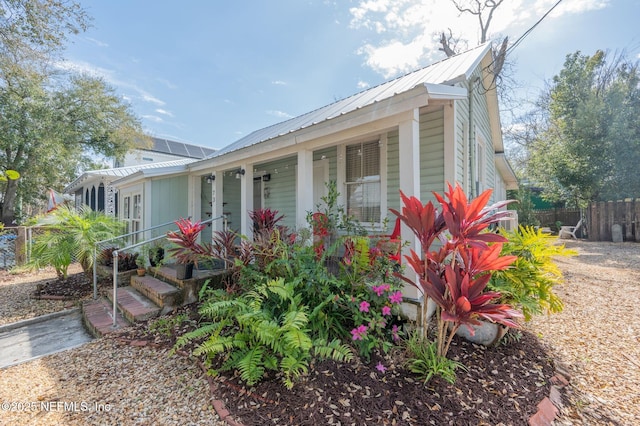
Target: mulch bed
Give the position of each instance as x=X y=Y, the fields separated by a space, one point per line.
x=502 y=386
x=75 y=287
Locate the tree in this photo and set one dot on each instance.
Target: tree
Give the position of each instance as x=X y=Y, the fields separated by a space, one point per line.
x=51 y=124
x=34 y=30
x=484 y=11
x=48 y=133
x=590 y=147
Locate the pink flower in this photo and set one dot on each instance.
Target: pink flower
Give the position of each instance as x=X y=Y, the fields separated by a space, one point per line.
x=396 y=297
x=358 y=333
x=394 y=333
x=380 y=289
x=381 y=368
x=364 y=306
x=386 y=310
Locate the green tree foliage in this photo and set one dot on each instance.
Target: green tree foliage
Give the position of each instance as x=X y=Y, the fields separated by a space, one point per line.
x=590 y=147
x=52 y=124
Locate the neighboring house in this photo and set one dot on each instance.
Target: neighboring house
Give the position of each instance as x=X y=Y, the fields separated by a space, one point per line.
x=415 y=133
x=94 y=187
x=162 y=150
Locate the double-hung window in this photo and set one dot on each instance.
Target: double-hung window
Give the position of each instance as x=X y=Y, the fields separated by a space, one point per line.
x=363 y=188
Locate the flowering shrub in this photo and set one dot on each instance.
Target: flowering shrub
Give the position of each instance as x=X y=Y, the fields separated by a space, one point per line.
x=372 y=308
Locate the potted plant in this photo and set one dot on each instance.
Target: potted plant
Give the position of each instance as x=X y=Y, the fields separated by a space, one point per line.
x=455 y=273
x=156 y=255
x=142 y=270
x=187 y=250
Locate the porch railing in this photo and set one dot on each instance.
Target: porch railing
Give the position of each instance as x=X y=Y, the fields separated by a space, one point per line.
x=127 y=248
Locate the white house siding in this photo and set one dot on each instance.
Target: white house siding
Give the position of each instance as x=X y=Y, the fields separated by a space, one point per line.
x=431 y=153
x=281 y=187
x=169 y=201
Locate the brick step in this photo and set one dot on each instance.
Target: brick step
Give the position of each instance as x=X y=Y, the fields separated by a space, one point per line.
x=160 y=293
x=190 y=287
x=97 y=316
x=134 y=306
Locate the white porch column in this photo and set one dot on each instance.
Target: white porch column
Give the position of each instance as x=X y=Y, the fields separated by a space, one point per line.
x=246 y=199
x=217 y=199
x=304 y=187
x=409 y=152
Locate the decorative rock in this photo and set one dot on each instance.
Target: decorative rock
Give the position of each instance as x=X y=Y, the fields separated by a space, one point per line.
x=486 y=334
x=616 y=233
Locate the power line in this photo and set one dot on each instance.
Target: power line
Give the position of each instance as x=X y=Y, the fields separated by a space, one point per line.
x=514 y=45
x=526 y=33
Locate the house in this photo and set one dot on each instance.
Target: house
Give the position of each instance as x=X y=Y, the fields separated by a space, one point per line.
x=415 y=133
x=94 y=187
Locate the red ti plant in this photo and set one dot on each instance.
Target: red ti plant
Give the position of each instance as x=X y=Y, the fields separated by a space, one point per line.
x=188 y=250
x=456 y=274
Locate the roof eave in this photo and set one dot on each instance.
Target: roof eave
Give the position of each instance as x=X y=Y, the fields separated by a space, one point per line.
x=507 y=173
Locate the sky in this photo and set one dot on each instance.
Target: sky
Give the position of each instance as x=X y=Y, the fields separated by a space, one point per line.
x=210 y=72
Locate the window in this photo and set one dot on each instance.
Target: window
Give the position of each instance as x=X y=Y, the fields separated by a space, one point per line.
x=363 y=189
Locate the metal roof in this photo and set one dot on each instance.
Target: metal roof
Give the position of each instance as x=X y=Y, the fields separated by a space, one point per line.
x=447 y=72
x=121 y=172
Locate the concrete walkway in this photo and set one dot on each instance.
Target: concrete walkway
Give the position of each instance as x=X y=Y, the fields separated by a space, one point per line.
x=30 y=339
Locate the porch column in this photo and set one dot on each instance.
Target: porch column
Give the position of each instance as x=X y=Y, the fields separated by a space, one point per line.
x=217 y=200
x=304 y=187
x=409 y=151
x=246 y=199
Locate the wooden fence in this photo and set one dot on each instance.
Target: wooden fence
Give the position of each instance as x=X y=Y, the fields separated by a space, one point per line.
x=549 y=217
x=601 y=216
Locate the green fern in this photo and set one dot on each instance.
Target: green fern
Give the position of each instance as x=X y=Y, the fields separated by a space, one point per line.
x=251 y=365
x=334 y=350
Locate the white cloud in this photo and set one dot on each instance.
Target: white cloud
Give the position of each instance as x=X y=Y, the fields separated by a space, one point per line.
x=153 y=118
x=279 y=114
x=363 y=85
x=149 y=98
x=410 y=28
x=167 y=83
x=109 y=76
x=97 y=42
x=164 y=112
x=279 y=83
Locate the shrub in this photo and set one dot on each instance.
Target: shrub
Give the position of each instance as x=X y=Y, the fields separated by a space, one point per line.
x=455 y=275
x=528 y=284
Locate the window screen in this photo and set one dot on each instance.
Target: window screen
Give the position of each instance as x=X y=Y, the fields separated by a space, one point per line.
x=363 y=181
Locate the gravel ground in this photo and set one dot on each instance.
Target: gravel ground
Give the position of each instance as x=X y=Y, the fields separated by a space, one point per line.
x=16 y=303
x=598 y=333
x=597 y=336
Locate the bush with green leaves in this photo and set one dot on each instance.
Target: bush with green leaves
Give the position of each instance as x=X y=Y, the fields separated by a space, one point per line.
x=70 y=235
x=263 y=329
x=528 y=284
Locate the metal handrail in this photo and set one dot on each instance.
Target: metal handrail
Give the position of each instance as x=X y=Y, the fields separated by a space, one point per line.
x=132 y=246
x=95 y=250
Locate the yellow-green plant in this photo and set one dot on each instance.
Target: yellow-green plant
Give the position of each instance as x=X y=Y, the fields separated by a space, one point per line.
x=528 y=284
